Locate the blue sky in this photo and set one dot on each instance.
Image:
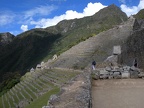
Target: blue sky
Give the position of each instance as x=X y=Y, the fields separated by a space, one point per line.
x=17 y=16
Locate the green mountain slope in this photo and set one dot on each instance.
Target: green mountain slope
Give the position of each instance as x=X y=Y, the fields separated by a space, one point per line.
x=26 y=50
x=31 y=47
x=140 y=14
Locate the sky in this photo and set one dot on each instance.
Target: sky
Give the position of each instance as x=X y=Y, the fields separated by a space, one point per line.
x=17 y=16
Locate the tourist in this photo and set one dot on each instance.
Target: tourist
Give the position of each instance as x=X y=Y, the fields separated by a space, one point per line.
x=135 y=63
x=93 y=65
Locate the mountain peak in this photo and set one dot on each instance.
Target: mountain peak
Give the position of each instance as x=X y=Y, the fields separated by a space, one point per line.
x=113 y=5
x=111 y=12
x=6 y=38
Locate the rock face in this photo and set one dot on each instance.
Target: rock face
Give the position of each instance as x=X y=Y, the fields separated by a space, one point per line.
x=134 y=47
x=6 y=38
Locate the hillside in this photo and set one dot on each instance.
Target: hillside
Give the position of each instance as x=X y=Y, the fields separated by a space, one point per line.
x=5 y=39
x=26 y=50
x=140 y=14
x=31 y=47
x=35 y=88
x=98 y=47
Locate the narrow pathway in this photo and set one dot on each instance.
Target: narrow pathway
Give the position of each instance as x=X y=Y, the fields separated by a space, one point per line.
x=118 y=93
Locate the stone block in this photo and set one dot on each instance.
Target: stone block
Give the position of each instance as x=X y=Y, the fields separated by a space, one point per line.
x=117 y=50
x=141 y=75
x=126 y=68
x=104 y=76
x=103 y=72
x=125 y=75
x=108 y=68
x=117 y=77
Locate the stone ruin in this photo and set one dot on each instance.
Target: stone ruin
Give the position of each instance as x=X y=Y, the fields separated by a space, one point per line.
x=116 y=71
x=32 y=70
x=55 y=57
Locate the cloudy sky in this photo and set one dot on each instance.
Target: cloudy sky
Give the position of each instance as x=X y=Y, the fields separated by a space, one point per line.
x=17 y=16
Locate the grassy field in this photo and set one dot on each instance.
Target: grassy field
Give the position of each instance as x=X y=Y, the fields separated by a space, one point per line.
x=43 y=100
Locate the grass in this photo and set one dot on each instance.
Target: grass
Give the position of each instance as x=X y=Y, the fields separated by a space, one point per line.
x=42 y=101
x=1 y=105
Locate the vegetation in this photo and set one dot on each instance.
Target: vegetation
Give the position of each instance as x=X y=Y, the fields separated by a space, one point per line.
x=9 y=80
x=43 y=100
x=140 y=14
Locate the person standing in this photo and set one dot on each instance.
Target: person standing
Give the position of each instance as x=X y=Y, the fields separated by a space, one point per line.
x=135 y=63
x=93 y=65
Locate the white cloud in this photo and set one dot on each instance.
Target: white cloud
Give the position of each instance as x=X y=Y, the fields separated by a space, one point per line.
x=41 y=10
x=91 y=9
x=6 y=18
x=122 y=1
x=134 y=9
x=24 y=27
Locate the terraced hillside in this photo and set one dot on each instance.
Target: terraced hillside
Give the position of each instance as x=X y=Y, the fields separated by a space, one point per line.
x=98 y=47
x=35 y=88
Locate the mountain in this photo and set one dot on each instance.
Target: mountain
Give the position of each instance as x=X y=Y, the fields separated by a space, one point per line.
x=31 y=47
x=140 y=14
x=26 y=50
x=6 y=38
x=97 y=48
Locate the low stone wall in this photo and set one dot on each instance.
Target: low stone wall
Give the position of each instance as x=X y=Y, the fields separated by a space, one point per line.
x=115 y=72
x=75 y=94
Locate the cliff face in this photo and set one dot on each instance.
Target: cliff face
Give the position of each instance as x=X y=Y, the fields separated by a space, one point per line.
x=134 y=47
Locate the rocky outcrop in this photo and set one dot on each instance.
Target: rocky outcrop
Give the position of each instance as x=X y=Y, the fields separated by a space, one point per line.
x=134 y=46
x=6 y=38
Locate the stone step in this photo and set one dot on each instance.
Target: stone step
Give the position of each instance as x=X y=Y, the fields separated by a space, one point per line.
x=35 y=83
x=3 y=104
x=51 y=81
x=7 y=100
x=26 y=86
x=22 y=95
x=31 y=84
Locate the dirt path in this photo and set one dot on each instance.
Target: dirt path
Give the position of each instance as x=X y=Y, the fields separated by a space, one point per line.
x=119 y=93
